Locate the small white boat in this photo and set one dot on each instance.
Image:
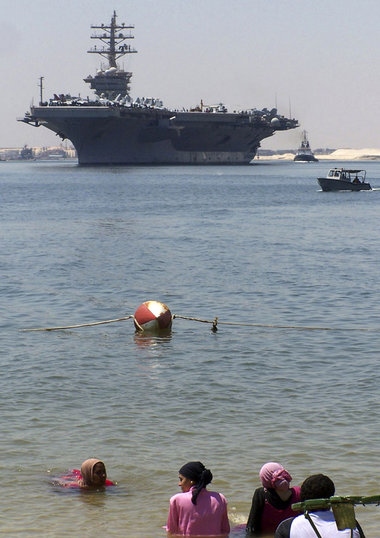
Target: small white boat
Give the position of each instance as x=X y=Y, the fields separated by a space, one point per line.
x=343 y=179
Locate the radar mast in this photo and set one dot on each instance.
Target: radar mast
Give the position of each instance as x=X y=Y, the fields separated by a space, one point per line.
x=113 y=82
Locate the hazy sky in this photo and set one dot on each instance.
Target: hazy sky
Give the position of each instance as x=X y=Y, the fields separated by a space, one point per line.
x=317 y=58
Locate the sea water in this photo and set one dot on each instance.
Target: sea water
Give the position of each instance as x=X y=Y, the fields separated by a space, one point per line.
x=291 y=375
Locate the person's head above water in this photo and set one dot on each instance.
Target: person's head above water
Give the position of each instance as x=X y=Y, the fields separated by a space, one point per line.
x=317 y=486
x=93 y=472
x=274 y=475
x=194 y=474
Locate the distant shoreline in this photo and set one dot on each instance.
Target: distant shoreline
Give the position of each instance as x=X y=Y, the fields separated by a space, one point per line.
x=27 y=153
x=64 y=152
x=364 y=154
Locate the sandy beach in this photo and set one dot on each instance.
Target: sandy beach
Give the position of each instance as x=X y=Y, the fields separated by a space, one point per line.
x=365 y=154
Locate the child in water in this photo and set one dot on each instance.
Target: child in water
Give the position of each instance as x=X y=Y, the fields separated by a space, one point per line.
x=92 y=475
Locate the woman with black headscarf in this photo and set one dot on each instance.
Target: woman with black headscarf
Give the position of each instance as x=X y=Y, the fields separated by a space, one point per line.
x=197 y=511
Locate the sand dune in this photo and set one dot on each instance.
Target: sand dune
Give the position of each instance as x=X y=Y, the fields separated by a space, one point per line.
x=348 y=154
x=365 y=154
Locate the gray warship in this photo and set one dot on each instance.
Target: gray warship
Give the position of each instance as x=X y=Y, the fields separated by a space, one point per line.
x=112 y=128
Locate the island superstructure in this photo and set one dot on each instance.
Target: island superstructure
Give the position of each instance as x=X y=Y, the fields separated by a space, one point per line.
x=114 y=128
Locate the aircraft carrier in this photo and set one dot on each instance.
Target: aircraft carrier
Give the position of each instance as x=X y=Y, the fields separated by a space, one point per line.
x=112 y=128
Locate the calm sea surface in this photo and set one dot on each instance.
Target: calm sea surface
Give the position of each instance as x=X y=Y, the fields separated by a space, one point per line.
x=252 y=245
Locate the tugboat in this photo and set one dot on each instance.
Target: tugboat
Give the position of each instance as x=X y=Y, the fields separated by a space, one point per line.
x=304 y=153
x=342 y=179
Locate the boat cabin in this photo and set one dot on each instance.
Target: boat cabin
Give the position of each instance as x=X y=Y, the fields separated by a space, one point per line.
x=354 y=176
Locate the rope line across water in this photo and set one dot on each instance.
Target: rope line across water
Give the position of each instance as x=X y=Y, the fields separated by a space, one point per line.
x=215 y=322
x=80 y=325
x=261 y=325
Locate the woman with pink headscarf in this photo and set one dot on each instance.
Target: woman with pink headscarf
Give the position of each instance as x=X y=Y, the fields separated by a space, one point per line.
x=272 y=502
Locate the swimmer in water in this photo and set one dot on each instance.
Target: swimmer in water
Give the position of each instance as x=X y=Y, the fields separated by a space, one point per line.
x=92 y=475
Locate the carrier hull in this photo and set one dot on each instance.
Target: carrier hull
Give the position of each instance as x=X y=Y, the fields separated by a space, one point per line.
x=124 y=135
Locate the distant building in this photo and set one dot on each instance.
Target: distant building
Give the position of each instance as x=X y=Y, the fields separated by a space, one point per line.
x=30 y=153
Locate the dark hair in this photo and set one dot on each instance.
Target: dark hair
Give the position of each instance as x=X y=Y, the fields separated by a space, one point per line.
x=317 y=486
x=197 y=472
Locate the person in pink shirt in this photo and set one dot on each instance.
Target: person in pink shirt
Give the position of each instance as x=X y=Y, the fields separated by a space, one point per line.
x=197 y=511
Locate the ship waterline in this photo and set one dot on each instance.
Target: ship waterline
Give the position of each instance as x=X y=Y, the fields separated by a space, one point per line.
x=115 y=129
x=121 y=135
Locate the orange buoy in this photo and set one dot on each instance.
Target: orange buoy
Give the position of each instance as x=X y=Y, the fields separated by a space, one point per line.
x=153 y=316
